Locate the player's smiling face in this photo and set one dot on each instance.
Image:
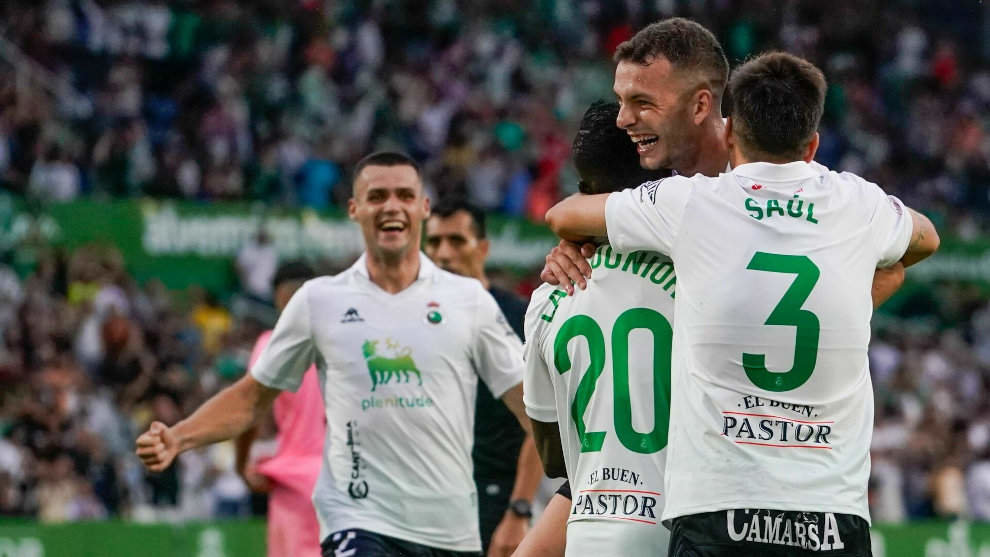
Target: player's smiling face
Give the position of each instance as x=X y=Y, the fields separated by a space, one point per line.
x=653 y=109
x=389 y=204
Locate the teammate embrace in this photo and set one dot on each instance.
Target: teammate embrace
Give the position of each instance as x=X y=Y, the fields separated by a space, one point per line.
x=743 y=426
x=763 y=375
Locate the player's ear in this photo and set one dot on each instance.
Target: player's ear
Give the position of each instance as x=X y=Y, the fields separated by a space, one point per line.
x=484 y=245
x=426 y=207
x=351 y=209
x=727 y=137
x=809 y=153
x=702 y=105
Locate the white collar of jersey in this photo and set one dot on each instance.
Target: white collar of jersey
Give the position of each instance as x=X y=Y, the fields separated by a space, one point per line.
x=728 y=168
x=426 y=267
x=770 y=172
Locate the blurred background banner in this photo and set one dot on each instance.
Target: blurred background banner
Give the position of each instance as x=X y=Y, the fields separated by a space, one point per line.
x=188 y=243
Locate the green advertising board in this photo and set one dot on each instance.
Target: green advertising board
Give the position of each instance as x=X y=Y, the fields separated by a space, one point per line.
x=184 y=243
x=247 y=539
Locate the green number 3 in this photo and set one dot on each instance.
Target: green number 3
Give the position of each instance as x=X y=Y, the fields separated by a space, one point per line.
x=788 y=312
x=630 y=320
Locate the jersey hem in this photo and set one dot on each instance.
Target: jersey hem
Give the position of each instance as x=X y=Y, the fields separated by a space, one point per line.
x=546 y=416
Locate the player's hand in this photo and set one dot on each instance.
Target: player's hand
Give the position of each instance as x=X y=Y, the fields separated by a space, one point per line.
x=508 y=535
x=157 y=447
x=256 y=481
x=567 y=264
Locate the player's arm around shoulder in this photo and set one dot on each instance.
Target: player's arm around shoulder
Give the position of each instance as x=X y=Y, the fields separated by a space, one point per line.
x=578 y=218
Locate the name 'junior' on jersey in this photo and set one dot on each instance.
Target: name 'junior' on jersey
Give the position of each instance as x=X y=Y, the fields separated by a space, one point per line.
x=598 y=364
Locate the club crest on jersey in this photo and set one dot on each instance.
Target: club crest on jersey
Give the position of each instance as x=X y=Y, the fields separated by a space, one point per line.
x=396 y=365
x=433 y=315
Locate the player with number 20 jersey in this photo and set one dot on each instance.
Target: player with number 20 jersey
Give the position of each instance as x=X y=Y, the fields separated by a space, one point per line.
x=601 y=358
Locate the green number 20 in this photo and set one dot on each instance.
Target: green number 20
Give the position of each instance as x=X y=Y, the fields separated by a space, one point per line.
x=630 y=320
x=788 y=312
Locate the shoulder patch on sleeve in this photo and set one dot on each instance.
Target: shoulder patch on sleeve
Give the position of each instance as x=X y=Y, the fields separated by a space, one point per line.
x=650 y=189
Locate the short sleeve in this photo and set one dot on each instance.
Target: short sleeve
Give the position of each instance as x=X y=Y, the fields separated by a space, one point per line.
x=497 y=350
x=647 y=217
x=891 y=228
x=290 y=350
x=538 y=390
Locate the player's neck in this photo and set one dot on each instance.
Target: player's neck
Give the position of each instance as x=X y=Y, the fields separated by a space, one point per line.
x=393 y=274
x=713 y=154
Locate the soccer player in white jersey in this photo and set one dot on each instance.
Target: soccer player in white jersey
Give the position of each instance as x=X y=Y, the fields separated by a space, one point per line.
x=579 y=367
x=772 y=406
x=669 y=80
x=399 y=345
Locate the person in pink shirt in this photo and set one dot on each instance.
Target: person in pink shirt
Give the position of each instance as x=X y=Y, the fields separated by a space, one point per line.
x=290 y=474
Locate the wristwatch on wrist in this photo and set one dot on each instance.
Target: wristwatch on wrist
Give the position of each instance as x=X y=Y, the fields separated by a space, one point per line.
x=521 y=508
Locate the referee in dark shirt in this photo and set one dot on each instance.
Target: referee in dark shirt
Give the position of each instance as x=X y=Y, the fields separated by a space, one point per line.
x=507 y=469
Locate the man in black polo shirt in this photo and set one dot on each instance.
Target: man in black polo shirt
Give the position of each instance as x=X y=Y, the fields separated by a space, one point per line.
x=455 y=240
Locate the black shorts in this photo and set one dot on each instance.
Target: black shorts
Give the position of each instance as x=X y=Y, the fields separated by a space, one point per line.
x=565 y=489
x=362 y=543
x=768 y=533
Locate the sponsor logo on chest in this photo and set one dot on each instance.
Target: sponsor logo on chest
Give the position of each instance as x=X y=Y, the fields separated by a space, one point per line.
x=389 y=363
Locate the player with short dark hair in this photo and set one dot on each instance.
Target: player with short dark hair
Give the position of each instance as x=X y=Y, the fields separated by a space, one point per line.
x=772 y=407
x=757 y=90
x=617 y=515
x=399 y=345
x=385 y=159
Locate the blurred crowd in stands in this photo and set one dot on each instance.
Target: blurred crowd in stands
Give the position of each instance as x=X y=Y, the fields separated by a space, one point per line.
x=275 y=101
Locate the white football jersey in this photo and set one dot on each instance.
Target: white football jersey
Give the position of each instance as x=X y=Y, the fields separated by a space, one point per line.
x=772 y=402
x=598 y=364
x=399 y=376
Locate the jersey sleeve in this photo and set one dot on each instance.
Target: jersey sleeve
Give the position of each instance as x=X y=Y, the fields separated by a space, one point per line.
x=647 y=217
x=290 y=350
x=538 y=390
x=497 y=350
x=891 y=227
